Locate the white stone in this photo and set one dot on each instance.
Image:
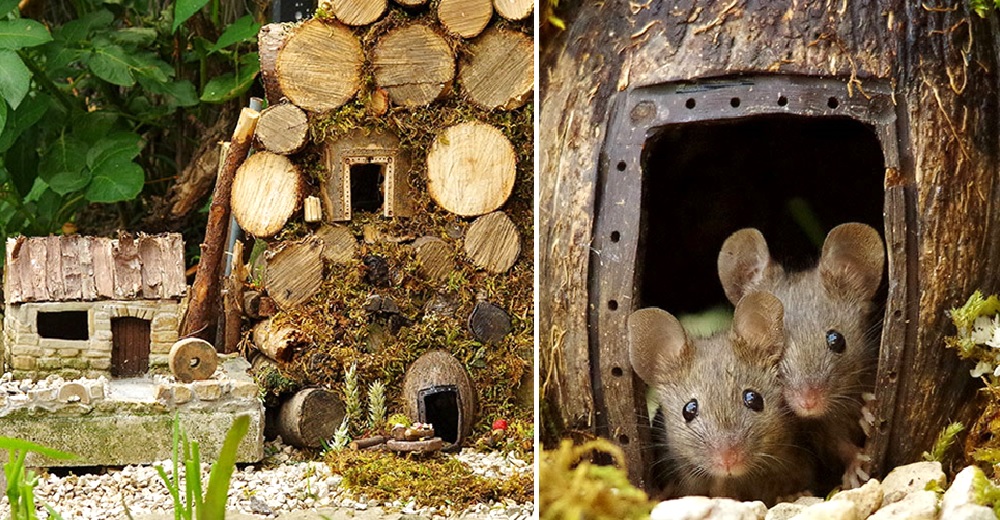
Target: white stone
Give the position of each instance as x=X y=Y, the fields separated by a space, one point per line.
x=912 y=477
x=832 y=510
x=919 y=505
x=867 y=498
x=784 y=511
x=959 y=500
x=704 y=508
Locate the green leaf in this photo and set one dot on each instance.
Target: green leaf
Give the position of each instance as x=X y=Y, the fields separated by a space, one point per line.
x=115 y=178
x=80 y=29
x=15 y=80
x=91 y=127
x=61 y=165
x=21 y=33
x=6 y=6
x=148 y=64
x=244 y=29
x=229 y=86
x=141 y=36
x=3 y=116
x=222 y=471
x=24 y=117
x=111 y=63
x=7 y=443
x=184 y=9
x=179 y=93
x=125 y=143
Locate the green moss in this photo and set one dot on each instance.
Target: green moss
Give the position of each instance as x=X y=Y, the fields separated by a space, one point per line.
x=945 y=440
x=571 y=486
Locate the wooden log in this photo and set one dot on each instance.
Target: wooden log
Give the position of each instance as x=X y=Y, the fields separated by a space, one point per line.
x=232 y=303
x=339 y=245
x=435 y=258
x=203 y=307
x=276 y=342
x=312 y=210
x=411 y=3
x=251 y=304
x=294 y=272
x=492 y=242
x=489 y=323
x=500 y=70
x=310 y=417
x=367 y=442
x=514 y=9
x=471 y=168
x=427 y=446
x=192 y=359
x=357 y=12
x=270 y=40
x=319 y=67
x=195 y=181
x=283 y=129
x=466 y=18
x=414 y=64
x=266 y=192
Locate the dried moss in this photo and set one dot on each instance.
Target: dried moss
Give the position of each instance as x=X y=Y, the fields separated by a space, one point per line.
x=431 y=481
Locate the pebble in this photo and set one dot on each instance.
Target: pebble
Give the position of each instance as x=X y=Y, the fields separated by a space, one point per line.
x=919 y=505
x=832 y=510
x=866 y=499
x=904 y=480
x=957 y=502
x=704 y=508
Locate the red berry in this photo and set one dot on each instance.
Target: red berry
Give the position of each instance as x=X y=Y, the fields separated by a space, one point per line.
x=499 y=424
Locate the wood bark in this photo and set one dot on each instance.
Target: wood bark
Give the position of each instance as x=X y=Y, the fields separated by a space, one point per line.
x=514 y=9
x=435 y=258
x=203 y=309
x=312 y=210
x=294 y=272
x=258 y=306
x=310 y=417
x=357 y=12
x=277 y=342
x=368 y=442
x=232 y=303
x=283 y=129
x=270 y=40
x=378 y=102
x=471 y=168
x=319 y=67
x=500 y=70
x=411 y=3
x=195 y=181
x=466 y=18
x=267 y=190
x=492 y=242
x=339 y=245
x=414 y=65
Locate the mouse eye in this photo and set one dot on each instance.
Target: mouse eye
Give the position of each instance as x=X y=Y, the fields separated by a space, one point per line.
x=691 y=410
x=753 y=400
x=835 y=341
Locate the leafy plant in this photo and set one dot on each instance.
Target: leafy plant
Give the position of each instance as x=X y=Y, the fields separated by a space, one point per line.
x=983 y=7
x=352 y=395
x=89 y=102
x=212 y=504
x=21 y=482
x=945 y=440
x=376 y=405
x=341 y=437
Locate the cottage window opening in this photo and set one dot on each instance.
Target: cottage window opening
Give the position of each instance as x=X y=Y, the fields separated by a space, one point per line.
x=793 y=177
x=66 y=325
x=367 y=192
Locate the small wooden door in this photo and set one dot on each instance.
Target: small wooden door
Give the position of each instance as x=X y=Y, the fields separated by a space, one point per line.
x=130 y=347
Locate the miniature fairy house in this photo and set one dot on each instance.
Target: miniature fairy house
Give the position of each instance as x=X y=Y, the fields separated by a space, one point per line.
x=90 y=306
x=437 y=390
x=709 y=117
x=365 y=171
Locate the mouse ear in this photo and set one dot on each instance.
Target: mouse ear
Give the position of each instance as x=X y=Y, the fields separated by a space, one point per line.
x=657 y=344
x=852 y=261
x=758 y=324
x=744 y=261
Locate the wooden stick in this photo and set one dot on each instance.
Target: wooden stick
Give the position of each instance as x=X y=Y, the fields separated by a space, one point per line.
x=367 y=442
x=203 y=309
x=232 y=300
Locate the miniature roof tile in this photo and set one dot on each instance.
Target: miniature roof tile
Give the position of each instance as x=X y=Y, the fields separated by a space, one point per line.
x=77 y=268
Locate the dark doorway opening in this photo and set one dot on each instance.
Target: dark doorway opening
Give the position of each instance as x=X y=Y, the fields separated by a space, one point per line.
x=366 y=186
x=792 y=177
x=130 y=347
x=439 y=406
x=71 y=325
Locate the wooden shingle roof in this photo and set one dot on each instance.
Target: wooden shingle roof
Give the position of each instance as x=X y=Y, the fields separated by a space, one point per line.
x=76 y=268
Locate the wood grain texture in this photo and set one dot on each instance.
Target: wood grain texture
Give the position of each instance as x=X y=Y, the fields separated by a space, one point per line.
x=127 y=268
x=357 y=12
x=270 y=40
x=492 y=242
x=414 y=65
x=319 y=67
x=277 y=342
x=465 y=18
x=435 y=258
x=266 y=191
x=294 y=272
x=310 y=417
x=283 y=129
x=471 y=169
x=499 y=70
x=151 y=267
x=514 y=9
x=339 y=245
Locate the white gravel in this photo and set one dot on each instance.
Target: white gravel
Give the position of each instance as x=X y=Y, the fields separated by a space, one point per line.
x=270 y=493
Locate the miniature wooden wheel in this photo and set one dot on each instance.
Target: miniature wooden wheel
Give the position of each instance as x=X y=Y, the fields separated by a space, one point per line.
x=193 y=359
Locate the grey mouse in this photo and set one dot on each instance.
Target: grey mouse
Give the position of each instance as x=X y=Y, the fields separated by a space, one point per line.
x=726 y=429
x=831 y=350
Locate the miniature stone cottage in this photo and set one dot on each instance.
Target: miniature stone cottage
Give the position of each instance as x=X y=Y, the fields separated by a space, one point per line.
x=90 y=306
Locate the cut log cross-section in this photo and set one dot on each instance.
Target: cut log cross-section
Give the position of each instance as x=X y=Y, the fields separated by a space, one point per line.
x=435 y=258
x=466 y=18
x=493 y=243
x=295 y=272
x=471 y=169
x=499 y=72
x=319 y=67
x=270 y=39
x=339 y=245
x=310 y=417
x=357 y=12
x=266 y=192
x=277 y=342
x=514 y=9
x=414 y=65
x=283 y=129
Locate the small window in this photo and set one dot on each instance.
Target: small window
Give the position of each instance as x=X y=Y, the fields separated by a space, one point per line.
x=367 y=193
x=71 y=325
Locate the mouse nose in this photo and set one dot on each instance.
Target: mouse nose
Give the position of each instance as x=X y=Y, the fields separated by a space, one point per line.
x=731 y=460
x=807 y=401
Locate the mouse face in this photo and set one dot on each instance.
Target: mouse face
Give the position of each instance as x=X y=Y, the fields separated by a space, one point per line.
x=723 y=414
x=829 y=341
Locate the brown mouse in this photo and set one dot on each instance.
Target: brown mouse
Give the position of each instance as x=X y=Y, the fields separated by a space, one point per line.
x=831 y=349
x=726 y=429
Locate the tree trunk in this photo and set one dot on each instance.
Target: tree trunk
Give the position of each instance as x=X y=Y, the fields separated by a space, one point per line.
x=310 y=417
x=499 y=71
x=266 y=192
x=471 y=169
x=466 y=18
x=319 y=66
x=493 y=243
x=294 y=272
x=414 y=65
x=283 y=129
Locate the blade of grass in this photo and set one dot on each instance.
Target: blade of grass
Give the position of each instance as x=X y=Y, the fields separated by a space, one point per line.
x=19 y=444
x=194 y=479
x=222 y=471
